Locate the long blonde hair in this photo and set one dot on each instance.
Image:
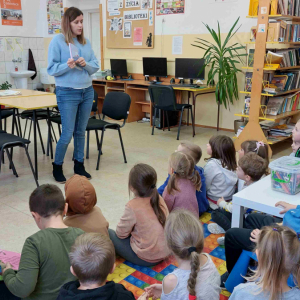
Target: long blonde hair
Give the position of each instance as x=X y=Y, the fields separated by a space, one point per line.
x=278 y=256
x=185 y=238
x=69 y=16
x=184 y=167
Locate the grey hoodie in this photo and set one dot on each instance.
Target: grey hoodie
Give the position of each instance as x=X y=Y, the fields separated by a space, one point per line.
x=220 y=182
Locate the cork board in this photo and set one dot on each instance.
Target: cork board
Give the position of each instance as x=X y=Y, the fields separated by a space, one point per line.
x=130 y=24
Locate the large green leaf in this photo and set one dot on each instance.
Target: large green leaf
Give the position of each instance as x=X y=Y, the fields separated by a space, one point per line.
x=223 y=61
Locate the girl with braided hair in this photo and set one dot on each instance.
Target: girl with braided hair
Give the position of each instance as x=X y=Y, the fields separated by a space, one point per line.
x=183 y=183
x=196 y=277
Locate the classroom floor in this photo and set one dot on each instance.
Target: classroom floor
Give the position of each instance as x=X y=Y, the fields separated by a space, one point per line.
x=110 y=182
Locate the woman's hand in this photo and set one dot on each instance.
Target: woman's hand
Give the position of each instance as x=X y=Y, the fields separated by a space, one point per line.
x=286 y=206
x=71 y=63
x=154 y=291
x=80 y=61
x=255 y=235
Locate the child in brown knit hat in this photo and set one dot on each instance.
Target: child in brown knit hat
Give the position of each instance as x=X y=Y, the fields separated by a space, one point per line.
x=82 y=211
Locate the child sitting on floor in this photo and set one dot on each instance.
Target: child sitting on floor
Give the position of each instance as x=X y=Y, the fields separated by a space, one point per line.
x=195 y=152
x=219 y=172
x=139 y=237
x=184 y=181
x=250 y=169
x=92 y=259
x=197 y=276
x=296 y=149
x=44 y=265
x=82 y=210
x=278 y=254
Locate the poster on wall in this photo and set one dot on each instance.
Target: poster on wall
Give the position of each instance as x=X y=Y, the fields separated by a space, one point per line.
x=55 y=11
x=138 y=36
x=11 y=12
x=169 y=7
x=145 y=4
x=127 y=30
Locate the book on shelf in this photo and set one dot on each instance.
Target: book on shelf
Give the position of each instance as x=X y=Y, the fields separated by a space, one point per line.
x=250 y=62
x=291 y=57
x=253 y=8
x=273 y=32
x=274 y=105
x=286 y=7
x=253 y=32
x=247 y=105
x=248 y=81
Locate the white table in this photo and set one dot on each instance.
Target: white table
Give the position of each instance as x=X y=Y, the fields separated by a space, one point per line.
x=261 y=197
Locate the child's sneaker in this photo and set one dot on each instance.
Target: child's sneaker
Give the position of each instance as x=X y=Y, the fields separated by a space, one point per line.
x=215 y=228
x=221 y=240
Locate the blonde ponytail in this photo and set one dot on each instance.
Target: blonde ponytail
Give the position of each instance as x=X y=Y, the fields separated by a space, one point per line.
x=195 y=264
x=185 y=238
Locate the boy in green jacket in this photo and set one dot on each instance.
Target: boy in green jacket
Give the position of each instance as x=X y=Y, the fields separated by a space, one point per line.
x=45 y=264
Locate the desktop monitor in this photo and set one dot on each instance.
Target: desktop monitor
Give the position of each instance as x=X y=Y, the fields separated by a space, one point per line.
x=118 y=67
x=189 y=68
x=155 y=66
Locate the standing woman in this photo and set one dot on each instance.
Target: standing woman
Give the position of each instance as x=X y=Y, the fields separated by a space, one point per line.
x=74 y=89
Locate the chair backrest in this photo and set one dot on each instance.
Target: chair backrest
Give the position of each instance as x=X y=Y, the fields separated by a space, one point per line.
x=95 y=102
x=162 y=95
x=116 y=105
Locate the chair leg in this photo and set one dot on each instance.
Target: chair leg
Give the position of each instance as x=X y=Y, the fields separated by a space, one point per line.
x=41 y=139
x=153 y=121
x=19 y=122
x=25 y=128
x=53 y=132
x=29 y=132
x=100 y=149
x=168 y=121
x=5 y=123
x=31 y=166
x=11 y=163
x=88 y=145
x=121 y=141
x=179 y=124
x=59 y=130
x=193 y=121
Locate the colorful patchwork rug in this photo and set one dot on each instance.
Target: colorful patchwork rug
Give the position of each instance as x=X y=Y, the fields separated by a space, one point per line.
x=136 y=278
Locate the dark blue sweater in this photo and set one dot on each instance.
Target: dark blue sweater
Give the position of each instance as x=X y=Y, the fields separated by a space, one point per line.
x=201 y=195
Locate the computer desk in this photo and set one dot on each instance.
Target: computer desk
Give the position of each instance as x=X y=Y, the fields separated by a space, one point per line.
x=136 y=89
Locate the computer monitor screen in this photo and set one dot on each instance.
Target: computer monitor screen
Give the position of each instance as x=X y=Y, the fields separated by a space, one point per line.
x=155 y=66
x=118 y=67
x=189 y=68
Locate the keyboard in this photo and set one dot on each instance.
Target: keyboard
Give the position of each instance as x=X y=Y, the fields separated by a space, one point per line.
x=186 y=85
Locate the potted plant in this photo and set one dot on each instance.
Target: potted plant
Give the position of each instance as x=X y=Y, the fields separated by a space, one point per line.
x=223 y=60
x=5 y=86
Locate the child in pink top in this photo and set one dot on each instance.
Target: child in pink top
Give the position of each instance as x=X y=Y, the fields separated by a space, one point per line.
x=139 y=237
x=184 y=181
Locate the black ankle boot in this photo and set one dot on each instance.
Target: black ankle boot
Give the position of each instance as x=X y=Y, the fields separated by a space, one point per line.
x=80 y=170
x=58 y=173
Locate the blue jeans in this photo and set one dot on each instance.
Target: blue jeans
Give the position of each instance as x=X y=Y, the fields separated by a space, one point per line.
x=75 y=107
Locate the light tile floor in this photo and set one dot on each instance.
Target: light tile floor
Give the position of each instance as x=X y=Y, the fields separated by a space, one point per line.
x=110 y=181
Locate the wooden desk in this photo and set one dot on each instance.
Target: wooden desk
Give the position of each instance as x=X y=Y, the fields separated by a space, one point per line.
x=137 y=89
x=32 y=100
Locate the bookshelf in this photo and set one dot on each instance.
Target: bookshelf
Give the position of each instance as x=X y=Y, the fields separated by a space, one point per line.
x=253 y=130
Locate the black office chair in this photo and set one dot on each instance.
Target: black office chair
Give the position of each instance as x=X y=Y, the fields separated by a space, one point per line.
x=115 y=106
x=9 y=141
x=163 y=97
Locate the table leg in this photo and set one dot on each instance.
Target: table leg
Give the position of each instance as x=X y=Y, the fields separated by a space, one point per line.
x=194 y=104
x=237 y=216
x=49 y=144
x=35 y=144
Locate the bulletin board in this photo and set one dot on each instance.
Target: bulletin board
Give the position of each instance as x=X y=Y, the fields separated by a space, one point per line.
x=130 y=24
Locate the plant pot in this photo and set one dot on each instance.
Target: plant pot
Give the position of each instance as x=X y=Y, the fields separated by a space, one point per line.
x=238 y=123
